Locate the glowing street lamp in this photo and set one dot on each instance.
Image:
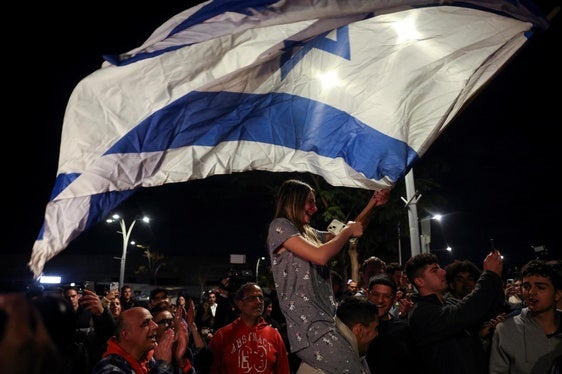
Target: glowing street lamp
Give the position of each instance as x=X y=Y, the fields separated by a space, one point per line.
x=425 y=237
x=126 y=232
x=447 y=249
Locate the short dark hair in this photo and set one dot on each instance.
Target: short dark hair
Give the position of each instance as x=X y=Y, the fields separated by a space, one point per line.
x=384 y=279
x=353 y=310
x=461 y=266
x=156 y=291
x=392 y=267
x=159 y=308
x=545 y=269
x=241 y=292
x=373 y=260
x=416 y=265
x=67 y=288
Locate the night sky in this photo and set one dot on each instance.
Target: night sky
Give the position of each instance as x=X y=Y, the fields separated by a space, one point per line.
x=494 y=168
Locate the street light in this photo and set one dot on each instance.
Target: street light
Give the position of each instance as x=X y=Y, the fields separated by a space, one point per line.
x=126 y=235
x=425 y=237
x=447 y=249
x=258 y=267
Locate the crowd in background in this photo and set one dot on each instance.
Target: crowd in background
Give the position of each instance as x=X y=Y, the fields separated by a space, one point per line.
x=70 y=334
x=416 y=317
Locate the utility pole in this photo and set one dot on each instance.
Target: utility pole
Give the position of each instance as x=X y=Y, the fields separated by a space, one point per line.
x=411 y=200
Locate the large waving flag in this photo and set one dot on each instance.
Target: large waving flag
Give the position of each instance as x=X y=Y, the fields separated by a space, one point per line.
x=355 y=91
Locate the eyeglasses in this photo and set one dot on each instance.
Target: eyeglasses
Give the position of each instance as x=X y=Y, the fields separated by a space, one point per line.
x=253 y=298
x=165 y=321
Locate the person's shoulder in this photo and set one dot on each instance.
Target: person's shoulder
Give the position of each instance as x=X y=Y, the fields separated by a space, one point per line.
x=280 y=221
x=267 y=327
x=228 y=328
x=512 y=322
x=426 y=299
x=114 y=362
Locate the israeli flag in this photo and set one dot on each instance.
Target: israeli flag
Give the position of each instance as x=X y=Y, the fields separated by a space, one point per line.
x=354 y=91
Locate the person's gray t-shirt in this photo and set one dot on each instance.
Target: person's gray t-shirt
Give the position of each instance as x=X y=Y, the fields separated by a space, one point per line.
x=304 y=289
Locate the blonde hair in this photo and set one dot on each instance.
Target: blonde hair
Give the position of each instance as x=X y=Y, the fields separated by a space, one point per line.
x=291 y=200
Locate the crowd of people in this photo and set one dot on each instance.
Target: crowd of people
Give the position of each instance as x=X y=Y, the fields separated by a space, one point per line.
x=417 y=317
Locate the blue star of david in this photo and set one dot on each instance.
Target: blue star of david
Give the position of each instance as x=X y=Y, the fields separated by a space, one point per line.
x=338 y=47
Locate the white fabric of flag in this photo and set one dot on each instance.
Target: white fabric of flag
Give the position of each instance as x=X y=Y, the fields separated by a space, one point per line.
x=354 y=91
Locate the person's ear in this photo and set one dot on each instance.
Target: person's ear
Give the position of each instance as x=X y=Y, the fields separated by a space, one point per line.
x=357 y=329
x=418 y=282
x=558 y=296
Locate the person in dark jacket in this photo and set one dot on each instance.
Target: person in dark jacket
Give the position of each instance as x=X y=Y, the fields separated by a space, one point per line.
x=134 y=349
x=393 y=351
x=442 y=333
x=93 y=322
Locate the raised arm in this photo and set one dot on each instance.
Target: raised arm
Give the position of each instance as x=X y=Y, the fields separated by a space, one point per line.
x=378 y=199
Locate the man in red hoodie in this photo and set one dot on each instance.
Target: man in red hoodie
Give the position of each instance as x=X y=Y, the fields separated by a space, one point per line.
x=249 y=344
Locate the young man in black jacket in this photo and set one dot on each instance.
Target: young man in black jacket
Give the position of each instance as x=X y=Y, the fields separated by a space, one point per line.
x=443 y=333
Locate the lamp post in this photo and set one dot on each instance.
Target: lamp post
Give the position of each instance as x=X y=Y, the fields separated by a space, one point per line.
x=126 y=233
x=425 y=237
x=258 y=267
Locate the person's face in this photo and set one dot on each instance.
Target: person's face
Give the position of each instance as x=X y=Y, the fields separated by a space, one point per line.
x=212 y=298
x=397 y=276
x=181 y=300
x=463 y=284
x=73 y=297
x=365 y=335
x=309 y=208
x=381 y=295
x=165 y=321
x=433 y=280
x=352 y=287
x=127 y=294
x=115 y=307
x=405 y=281
x=517 y=287
x=159 y=298
x=539 y=294
x=269 y=309
x=139 y=330
x=252 y=303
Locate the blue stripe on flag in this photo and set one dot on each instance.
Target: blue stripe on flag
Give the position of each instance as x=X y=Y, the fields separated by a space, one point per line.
x=206 y=12
x=210 y=118
x=216 y=8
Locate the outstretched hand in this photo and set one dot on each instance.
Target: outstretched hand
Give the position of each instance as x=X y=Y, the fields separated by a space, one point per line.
x=190 y=313
x=381 y=197
x=163 y=350
x=493 y=262
x=91 y=302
